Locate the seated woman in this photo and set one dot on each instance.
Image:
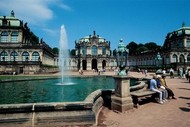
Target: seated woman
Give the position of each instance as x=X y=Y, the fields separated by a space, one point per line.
x=163 y=83
x=161 y=88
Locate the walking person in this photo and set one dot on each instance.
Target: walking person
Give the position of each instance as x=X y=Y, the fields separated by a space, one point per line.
x=171 y=73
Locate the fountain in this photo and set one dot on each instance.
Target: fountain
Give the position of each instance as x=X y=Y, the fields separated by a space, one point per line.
x=63 y=57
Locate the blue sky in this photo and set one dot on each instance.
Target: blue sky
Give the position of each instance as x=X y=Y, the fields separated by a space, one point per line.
x=132 y=20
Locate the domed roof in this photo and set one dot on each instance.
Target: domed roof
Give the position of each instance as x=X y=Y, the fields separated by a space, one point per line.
x=12 y=20
x=184 y=30
x=87 y=39
x=122 y=46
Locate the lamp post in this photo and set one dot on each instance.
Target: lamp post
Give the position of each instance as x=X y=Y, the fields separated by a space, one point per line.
x=121 y=100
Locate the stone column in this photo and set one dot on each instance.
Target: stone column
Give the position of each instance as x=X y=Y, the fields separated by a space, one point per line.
x=122 y=100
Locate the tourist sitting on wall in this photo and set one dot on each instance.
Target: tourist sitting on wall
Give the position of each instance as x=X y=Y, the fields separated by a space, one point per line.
x=163 y=83
x=153 y=87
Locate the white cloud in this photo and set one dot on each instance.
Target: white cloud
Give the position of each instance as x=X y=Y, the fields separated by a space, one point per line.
x=50 y=31
x=32 y=11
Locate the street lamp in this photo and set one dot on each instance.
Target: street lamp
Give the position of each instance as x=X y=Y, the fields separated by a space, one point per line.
x=121 y=57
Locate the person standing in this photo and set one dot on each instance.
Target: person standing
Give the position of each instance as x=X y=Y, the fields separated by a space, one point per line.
x=171 y=73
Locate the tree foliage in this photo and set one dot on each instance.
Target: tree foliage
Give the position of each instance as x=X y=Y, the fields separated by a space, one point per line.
x=135 y=48
x=55 y=50
x=73 y=53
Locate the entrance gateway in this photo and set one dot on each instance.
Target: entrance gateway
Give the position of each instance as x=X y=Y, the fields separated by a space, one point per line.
x=94 y=64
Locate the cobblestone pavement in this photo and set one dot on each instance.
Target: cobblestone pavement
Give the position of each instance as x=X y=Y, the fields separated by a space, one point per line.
x=174 y=113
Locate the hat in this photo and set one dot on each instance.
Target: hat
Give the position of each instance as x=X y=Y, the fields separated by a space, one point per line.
x=159 y=76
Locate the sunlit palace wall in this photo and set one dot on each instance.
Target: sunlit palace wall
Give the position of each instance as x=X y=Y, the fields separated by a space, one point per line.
x=21 y=51
x=93 y=52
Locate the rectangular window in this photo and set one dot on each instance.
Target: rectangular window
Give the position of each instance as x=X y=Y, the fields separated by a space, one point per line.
x=14 y=39
x=4 y=39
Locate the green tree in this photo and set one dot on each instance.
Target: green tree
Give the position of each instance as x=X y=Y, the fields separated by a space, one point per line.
x=73 y=53
x=141 y=49
x=55 y=50
x=132 y=46
x=152 y=46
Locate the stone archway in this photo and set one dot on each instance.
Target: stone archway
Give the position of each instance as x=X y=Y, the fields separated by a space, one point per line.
x=94 y=64
x=103 y=64
x=181 y=58
x=84 y=64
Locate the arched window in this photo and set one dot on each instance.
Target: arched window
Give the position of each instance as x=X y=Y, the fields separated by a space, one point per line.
x=35 y=56
x=188 y=42
x=25 y=56
x=181 y=58
x=103 y=50
x=94 y=50
x=84 y=50
x=14 y=56
x=14 y=37
x=4 y=36
x=188 y=58
x=167 y=60
x=4 y=56
x=174 y=58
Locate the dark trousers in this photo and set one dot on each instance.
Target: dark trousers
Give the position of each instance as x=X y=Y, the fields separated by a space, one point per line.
x=170 y=92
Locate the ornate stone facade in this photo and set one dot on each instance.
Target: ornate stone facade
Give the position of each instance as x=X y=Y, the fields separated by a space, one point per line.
x=93 y=52
x=20 y=50
x=176 y=48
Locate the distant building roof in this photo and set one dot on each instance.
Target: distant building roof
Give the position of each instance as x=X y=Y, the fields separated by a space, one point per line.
x=184 y=30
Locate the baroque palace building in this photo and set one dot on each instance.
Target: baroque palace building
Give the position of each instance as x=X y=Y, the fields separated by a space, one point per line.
x=23 y=52
x=20 y=50
x=176 y=48
x=93 y=53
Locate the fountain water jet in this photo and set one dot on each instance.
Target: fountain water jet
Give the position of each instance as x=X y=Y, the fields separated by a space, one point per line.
x=63 y=57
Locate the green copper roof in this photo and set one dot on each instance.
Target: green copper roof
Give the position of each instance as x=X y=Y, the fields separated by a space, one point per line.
x=10 y=19
x=122 y=46
x=87 y=39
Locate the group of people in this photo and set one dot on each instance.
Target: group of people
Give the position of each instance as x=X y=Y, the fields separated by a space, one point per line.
x=158 y=84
